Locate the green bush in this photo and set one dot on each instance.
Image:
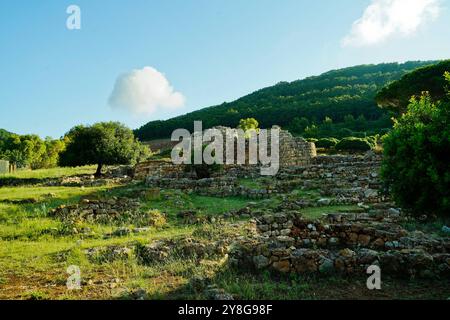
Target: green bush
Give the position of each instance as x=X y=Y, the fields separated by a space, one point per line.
x=373 y=140
x=415 y=166
x=353 y=144
x=156 y=218
x=327 y=143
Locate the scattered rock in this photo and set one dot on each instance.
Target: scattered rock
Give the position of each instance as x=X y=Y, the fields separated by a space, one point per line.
x=446 y=229
x=324 y=202
x=326 y=266
x=261 y=262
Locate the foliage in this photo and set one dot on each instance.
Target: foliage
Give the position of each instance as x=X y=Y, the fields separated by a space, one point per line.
x=30 y=150
x=105 y=143
x=298 y=125
x=248 y=124
x=353 y=144
x=327 y=143
x=156 y=218
x=296 y=105
x=396 y=96
x=416 y=167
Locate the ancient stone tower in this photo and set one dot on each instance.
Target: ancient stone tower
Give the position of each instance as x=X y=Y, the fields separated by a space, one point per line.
x=294 y=151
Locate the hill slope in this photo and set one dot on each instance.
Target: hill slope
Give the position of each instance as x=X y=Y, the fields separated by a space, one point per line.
x=335 y=94
x=396 y=96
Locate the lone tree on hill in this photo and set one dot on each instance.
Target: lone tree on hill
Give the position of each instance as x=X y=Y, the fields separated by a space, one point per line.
x=105 y=143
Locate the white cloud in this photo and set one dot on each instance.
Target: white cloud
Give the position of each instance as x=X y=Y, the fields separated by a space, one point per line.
x=383 y=19
x=144 y=91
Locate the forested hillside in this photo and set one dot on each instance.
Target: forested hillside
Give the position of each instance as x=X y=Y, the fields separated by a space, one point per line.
x=397 y=95
x=337 y=103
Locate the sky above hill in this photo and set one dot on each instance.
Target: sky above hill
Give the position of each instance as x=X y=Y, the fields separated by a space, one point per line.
x=141 y=60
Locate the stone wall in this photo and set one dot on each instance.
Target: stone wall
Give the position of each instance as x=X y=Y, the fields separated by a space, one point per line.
x=218 y=187
x=104 y=211
x=340 y=179
x=158 y=168
x=355 y=178
x=286 y=242
x=293 y=151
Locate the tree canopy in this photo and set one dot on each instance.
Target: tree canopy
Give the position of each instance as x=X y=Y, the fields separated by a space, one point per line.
x=105 y=143
x=248 y=124
x=30 y=150
x=416 y=167
x=396 y=96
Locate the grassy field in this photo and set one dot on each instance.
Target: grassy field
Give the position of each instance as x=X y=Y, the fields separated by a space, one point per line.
x=36 y=250
x=49 y=173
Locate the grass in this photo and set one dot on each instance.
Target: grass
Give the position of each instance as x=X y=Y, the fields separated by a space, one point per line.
x=318 y=212
x=251 y=183
x=49 y=173
x=35 y=254
x=172 y=202
x=434 y=227
x=30 y=241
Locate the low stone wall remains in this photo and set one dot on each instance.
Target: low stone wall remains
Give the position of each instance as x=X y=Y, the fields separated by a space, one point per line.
x=287 y=243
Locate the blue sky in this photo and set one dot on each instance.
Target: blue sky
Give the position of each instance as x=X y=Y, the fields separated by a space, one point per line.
x=198 y=52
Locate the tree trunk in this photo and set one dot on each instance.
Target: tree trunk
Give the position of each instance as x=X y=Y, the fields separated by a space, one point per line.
x=98 y=173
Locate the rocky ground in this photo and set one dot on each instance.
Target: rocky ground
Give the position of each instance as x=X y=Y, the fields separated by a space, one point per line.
x=310 y=233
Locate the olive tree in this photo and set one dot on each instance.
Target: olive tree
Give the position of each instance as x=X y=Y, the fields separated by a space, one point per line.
x=105 y=143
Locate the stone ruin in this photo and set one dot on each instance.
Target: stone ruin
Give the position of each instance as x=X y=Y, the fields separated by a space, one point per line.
x=284 y=241
x=341 y=180
x=293 y=151
x=341 y=244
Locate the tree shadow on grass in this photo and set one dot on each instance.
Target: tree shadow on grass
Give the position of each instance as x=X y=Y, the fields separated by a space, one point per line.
x=264 y=285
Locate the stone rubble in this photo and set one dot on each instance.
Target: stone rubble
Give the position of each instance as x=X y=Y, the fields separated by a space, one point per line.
x=104 y=211
x=341 y=243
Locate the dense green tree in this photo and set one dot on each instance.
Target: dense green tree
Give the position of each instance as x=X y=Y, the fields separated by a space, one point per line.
x=396 y=96
x=51 y=156
x=353 y=144
x=248 y=124
x=25 y=150
x=298 y=125
x=327 y=143
x=311 y=131
x=416 y=167
x=105 y=143
x=16 y=158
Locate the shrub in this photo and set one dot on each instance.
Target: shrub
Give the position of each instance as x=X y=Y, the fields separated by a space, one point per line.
x=156 y=218
x=327 y=143
x=353 y=144
x=415 y=165
x=345 y=132
x=373 y=140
